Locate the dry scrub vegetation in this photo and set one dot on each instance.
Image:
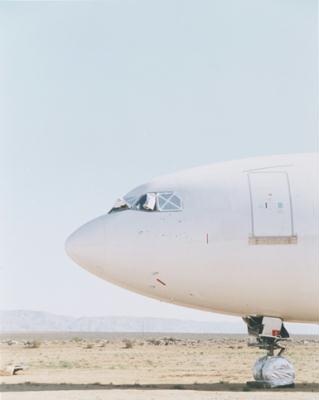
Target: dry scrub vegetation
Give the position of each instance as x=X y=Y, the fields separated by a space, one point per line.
x=147 y=360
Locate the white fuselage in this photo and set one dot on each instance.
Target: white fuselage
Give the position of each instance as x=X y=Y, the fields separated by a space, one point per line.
x=244 y=240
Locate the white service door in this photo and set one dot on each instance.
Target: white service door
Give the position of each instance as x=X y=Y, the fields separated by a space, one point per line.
x=271 y=204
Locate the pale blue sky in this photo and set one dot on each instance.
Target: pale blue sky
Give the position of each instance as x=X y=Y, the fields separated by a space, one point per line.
x=98 y=97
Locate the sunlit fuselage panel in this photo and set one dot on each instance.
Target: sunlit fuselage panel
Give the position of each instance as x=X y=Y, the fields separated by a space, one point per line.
x=237 y=237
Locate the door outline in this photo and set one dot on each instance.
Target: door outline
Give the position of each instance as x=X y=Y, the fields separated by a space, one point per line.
x=285 y=239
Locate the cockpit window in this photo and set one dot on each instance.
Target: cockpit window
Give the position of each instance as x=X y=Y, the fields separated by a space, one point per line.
x=146 y=202
x=119 y=205
x=152 y=201
x=160 y=201
x=168 y=201
x=130 y=200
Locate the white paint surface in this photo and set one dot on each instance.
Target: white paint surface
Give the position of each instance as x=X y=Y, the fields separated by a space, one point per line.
x=166 y=255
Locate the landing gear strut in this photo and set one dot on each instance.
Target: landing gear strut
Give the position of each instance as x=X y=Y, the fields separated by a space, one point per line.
x=273 y=370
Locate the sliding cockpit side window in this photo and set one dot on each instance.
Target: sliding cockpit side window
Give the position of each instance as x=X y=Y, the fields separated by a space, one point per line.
x=168 y=201
x=146 y=202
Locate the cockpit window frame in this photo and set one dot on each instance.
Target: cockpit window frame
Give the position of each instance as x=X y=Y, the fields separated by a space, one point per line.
x=167 y=198
x=163 y=202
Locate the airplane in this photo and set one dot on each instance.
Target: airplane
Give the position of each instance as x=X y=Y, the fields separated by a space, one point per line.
x=237 y=237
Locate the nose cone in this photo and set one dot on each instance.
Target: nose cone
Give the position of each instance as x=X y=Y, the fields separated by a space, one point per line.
x=86 y=246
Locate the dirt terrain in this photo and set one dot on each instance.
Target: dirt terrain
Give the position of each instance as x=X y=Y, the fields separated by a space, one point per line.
x=145 y=366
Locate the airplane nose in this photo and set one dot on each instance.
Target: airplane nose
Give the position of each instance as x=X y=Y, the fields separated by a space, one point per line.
x=86 y=246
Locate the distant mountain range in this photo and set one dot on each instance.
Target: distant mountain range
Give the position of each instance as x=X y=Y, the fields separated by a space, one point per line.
x=27 y=321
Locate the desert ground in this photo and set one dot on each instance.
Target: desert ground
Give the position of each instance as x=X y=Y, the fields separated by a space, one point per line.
x=78 y=366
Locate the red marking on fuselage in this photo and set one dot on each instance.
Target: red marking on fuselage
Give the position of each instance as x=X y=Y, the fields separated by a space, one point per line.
x=163 y=283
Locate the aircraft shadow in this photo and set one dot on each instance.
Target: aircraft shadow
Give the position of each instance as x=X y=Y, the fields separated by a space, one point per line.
x=214 y=387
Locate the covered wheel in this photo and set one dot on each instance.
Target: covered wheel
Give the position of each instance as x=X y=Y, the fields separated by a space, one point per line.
x=274 y=371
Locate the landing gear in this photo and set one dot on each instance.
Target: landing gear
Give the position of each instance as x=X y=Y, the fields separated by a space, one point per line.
x=272 y=370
